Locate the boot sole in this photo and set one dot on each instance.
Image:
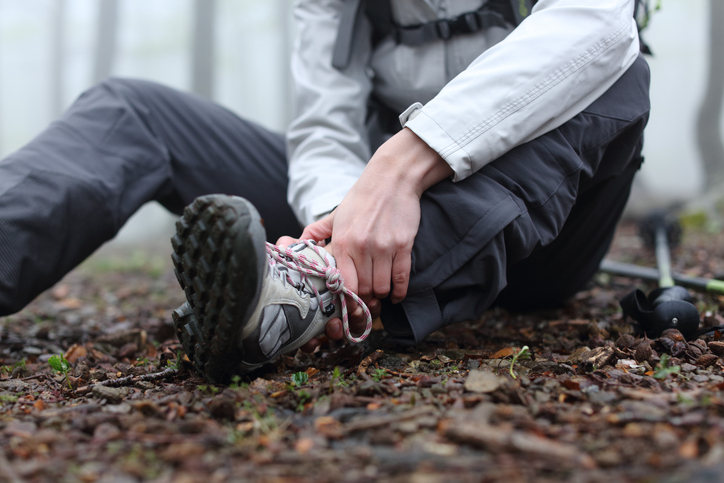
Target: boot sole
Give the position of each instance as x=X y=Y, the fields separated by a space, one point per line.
x=220 y=261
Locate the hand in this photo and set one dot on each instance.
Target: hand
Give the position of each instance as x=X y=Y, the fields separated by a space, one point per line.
x=374 y=227
x=334 y=329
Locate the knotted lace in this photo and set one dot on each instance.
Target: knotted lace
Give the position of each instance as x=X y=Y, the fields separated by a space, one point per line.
x=331 y=275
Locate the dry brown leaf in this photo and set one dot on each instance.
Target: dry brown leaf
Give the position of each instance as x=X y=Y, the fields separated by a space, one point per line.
x=75 y=352
x=71 y=303
x=507 y=352
x=689 y=449
x=483 y=381
x=304 y=445
x=151 y=351
x=61 y=291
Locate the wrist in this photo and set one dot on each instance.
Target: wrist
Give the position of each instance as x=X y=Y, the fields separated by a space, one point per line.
x=410 y=163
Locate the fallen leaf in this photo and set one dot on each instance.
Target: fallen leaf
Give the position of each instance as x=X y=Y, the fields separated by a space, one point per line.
x=483 y=381
x=689 y=449
x=70 y=303
x=151 y=351
x=61 y=291
x=304 y=445
x=75 y=352
x=508 y=351
x=571 y=384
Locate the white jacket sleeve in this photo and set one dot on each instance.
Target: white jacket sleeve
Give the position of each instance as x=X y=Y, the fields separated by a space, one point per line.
x=558 y=61
x=327 y=143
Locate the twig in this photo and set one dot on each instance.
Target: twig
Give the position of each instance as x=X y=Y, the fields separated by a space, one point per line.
x=368 y=361
x=400 y=374
x=34 y=376
x=376 y=422
x=129 y=380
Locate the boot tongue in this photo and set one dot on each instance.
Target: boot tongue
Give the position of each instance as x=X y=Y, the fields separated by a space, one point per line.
x=303 y=249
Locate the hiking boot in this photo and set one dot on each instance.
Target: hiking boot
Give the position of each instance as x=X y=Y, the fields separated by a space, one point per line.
x=247 y=301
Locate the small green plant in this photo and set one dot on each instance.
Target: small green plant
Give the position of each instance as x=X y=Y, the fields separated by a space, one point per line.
x=338 y=378
x=8 y=369
x=304 y=397
x=685 y=399
x=378 y=374
x=208 y=389
x=299 y=379
x=177 y=363
x=236 y=383
x=663 y=370
x=7 y=398
x=60 y=364
x=524 y=353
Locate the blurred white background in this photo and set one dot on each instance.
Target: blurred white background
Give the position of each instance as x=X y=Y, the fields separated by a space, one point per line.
x=51 y=50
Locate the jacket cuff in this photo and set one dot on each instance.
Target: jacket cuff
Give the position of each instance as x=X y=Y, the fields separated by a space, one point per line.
x=415 y=119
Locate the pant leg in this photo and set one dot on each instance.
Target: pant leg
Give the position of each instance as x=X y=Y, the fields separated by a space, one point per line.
x=546 y=209
x=123 y=143
x=551 y=275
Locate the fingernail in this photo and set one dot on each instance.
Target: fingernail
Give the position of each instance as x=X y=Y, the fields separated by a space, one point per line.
x=357 y=312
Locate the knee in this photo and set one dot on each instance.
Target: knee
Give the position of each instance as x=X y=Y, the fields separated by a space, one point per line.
x=112 y=96
x=127 y=89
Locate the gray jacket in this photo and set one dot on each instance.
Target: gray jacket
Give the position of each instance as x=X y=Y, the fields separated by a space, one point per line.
x=471 y=98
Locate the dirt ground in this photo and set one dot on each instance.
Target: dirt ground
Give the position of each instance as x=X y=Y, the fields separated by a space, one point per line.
x=589 y=401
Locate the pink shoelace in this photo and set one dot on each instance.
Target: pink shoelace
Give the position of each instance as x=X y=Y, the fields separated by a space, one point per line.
x=331 y=276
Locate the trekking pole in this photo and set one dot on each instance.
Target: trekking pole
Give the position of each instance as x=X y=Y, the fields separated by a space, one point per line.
x=670 y=306
x=647 y=273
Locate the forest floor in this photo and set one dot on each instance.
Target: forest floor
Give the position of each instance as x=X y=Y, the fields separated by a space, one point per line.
x=588 y=402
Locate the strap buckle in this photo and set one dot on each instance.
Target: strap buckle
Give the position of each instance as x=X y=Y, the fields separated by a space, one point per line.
x=472 y=22
x=443 y=28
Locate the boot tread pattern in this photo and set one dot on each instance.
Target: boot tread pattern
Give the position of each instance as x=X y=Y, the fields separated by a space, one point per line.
x=205 y=252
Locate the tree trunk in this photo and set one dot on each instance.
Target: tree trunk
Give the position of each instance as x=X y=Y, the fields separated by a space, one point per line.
x=106 y=40
x=202 y=62
x=286 y=69
x=57 y=58
x=709 y=123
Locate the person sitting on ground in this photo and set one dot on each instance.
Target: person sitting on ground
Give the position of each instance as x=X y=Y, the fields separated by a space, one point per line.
x=445 y=156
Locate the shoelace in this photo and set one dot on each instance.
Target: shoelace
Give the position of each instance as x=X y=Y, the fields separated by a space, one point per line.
x=331 y=276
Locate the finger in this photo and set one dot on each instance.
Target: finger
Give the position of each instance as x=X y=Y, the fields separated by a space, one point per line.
x=285 y=241
x=349 y=274
x=400 y=276
x=319 y=230
x=375 y=307
x=381 y=276
x=310 y=346
x=357 y=322
x=334 y=329
x=363 y=267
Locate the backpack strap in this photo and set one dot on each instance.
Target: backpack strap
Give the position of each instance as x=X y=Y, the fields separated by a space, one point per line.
x=349 y=17
x=494 y=13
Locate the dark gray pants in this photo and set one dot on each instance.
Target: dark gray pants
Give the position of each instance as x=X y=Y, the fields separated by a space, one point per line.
x=538 y=220
x=121 y=144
